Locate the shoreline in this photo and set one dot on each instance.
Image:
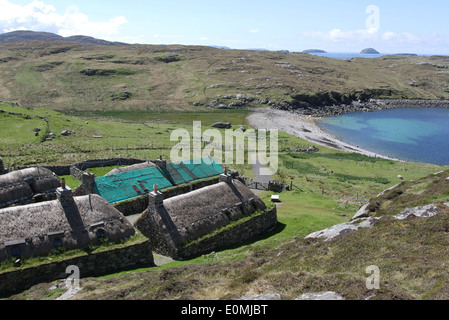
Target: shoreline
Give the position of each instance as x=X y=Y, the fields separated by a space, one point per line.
x=304 y=127
x=365 y=106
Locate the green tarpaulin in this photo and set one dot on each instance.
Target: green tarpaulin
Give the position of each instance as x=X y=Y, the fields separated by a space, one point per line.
x=127 y=185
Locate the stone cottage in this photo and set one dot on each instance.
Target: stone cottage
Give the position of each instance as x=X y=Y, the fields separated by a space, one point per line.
x=19 y=187
x=174 y=222
x=37 y=229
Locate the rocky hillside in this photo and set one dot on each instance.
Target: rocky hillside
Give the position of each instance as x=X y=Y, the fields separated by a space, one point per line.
x=72 y=76
x=22 y=36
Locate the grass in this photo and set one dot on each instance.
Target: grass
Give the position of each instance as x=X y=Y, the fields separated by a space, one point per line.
x=96 y=135
x=42 y=74
x=429 y=189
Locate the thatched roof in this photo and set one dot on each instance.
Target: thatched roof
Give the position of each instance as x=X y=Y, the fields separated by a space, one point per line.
x=190 y=216
x=22 y=184
x=36 y=227
x=147 y=164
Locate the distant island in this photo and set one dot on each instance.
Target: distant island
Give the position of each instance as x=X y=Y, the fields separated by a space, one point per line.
x=314 y=51
x=369 y=51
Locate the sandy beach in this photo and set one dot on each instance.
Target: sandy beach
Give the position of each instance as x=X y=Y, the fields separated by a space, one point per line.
x=303 y=127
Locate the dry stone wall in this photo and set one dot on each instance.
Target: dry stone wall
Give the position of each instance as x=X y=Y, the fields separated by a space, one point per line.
x=238 y=234
x=127 y=258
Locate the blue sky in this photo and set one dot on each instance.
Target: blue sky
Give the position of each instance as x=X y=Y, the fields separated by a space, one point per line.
x=335 y=26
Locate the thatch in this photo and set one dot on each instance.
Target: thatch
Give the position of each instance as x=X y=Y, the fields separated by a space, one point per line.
x=147 y=164
x=22 y=184
x=190 y=216
x=16 y=191
x=36 y=227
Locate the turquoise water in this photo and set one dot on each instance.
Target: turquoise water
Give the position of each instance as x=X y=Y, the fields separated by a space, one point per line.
x=350 y=55
x=412 y=134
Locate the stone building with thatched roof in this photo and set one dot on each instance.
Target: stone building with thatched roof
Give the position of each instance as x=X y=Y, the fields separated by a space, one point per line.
x=138 y=166
x=134 y=181
x=173 y=222
x=37 y=229
x=19 y=187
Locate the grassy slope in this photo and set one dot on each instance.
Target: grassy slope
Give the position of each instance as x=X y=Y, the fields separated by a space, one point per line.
x=48 y=75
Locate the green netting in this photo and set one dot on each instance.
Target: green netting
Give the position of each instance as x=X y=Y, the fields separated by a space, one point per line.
x=127 y=185
x=191 y=170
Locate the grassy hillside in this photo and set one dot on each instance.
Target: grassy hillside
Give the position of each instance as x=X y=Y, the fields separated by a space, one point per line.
x=68 y=76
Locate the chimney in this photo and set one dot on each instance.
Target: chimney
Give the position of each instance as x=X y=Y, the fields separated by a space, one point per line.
x=88 y=182
x=161 y=163
x=156 y=199
x=64 y=194
x=225 y=177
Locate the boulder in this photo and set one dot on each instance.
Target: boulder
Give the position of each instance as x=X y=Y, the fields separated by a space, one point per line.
x=338 y=230
x=222 y=125
x=65 y=133
x=423 y=212
x=362 y=213
x=329 y=295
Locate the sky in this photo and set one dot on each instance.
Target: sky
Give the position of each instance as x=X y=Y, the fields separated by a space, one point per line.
x=389 y=26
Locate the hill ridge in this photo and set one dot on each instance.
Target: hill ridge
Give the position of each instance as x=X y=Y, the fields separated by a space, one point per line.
x=28 y=35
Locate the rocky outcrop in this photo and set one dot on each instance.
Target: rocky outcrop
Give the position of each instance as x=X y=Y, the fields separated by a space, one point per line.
x=329 y=295
x=336 y=231
x=422 y=212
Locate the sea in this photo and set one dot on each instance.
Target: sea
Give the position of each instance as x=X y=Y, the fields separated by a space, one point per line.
x=346 y=55
x=410 y=134
x=350 y=55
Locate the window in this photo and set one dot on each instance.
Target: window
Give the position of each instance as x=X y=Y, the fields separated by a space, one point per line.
x=15 y=251
x=57 y=242
x=100 y=233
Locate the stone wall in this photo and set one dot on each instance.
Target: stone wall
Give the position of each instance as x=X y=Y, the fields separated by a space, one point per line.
x=127 y=258
x=241 y=232
x=64 y=170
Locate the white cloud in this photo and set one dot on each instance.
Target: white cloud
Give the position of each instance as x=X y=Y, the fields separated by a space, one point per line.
x=204 y=38
x=39 y=16
x=254 y=30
